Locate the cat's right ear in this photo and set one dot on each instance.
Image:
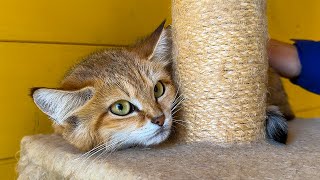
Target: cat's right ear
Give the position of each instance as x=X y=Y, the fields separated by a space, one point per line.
x=60 y=104
x=157 y=45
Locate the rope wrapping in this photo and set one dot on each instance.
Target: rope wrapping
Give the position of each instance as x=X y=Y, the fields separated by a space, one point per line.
x=220 y=49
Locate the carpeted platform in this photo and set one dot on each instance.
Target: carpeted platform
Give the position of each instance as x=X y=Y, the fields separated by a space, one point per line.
x=50 y=157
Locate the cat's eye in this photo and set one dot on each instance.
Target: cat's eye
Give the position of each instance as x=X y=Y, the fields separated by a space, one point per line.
x=122 y=108
x=159 y=89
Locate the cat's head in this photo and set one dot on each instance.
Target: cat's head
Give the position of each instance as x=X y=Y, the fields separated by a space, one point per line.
x=117 y=97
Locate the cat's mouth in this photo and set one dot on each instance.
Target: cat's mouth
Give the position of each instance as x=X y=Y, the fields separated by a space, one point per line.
x=159 y=135
x=162 y=130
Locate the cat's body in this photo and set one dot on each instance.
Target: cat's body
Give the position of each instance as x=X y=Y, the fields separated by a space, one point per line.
x=121 y=97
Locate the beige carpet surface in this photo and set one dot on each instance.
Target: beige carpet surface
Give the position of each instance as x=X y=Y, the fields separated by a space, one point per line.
x=50 y=157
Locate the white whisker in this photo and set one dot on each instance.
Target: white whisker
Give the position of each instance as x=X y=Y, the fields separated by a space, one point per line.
x=176 y=110
x=178 y=120
x=92 y=150
x=110 y=148
x=180 y=123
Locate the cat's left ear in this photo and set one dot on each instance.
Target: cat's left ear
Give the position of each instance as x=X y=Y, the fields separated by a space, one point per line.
x=157 y=45
x=59 y=105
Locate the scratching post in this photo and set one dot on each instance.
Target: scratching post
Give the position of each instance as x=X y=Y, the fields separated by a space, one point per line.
x=221 y=61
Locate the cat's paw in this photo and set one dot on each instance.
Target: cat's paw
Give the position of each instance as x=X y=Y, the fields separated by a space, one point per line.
x=276 y=125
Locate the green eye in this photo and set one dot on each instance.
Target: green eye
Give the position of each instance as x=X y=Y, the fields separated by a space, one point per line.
x=122 y=108
x=159 y=89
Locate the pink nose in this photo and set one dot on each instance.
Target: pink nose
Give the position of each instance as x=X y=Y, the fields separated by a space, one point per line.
x=158 y=120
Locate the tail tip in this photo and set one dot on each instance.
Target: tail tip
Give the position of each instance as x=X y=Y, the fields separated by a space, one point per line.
x=276 y=126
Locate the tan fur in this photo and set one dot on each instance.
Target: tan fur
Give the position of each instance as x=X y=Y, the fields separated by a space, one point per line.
x=118 y=74
x=277 y=95
x=107 y=93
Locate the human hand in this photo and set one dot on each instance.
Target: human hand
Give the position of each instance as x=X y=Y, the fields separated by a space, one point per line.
x=284 y=58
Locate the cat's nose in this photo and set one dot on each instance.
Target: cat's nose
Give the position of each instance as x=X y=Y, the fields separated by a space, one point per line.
x=158 y=120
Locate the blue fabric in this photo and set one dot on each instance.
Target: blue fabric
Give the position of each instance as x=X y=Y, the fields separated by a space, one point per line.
x=309 y=55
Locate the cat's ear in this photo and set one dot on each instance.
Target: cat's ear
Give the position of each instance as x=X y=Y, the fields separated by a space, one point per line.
x=157 y=45
x=60 y=104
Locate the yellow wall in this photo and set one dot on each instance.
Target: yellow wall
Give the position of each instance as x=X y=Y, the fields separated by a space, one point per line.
x=40 y=40
x=296 y=19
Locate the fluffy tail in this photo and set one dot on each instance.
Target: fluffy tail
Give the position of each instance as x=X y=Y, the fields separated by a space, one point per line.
x=276 y=125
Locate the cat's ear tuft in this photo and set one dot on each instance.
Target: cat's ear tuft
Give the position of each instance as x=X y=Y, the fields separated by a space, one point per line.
x=59 y=105
x=157 y=45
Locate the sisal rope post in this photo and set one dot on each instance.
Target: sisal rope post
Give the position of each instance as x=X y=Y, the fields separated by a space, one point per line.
x=220 y=48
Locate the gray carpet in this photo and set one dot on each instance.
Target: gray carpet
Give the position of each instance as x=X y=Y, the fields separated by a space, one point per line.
x=50 y=157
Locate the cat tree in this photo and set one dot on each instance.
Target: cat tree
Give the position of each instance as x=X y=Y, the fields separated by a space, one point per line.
x=221 y=61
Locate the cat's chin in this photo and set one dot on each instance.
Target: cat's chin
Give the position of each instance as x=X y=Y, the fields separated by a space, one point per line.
x=158 y=138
